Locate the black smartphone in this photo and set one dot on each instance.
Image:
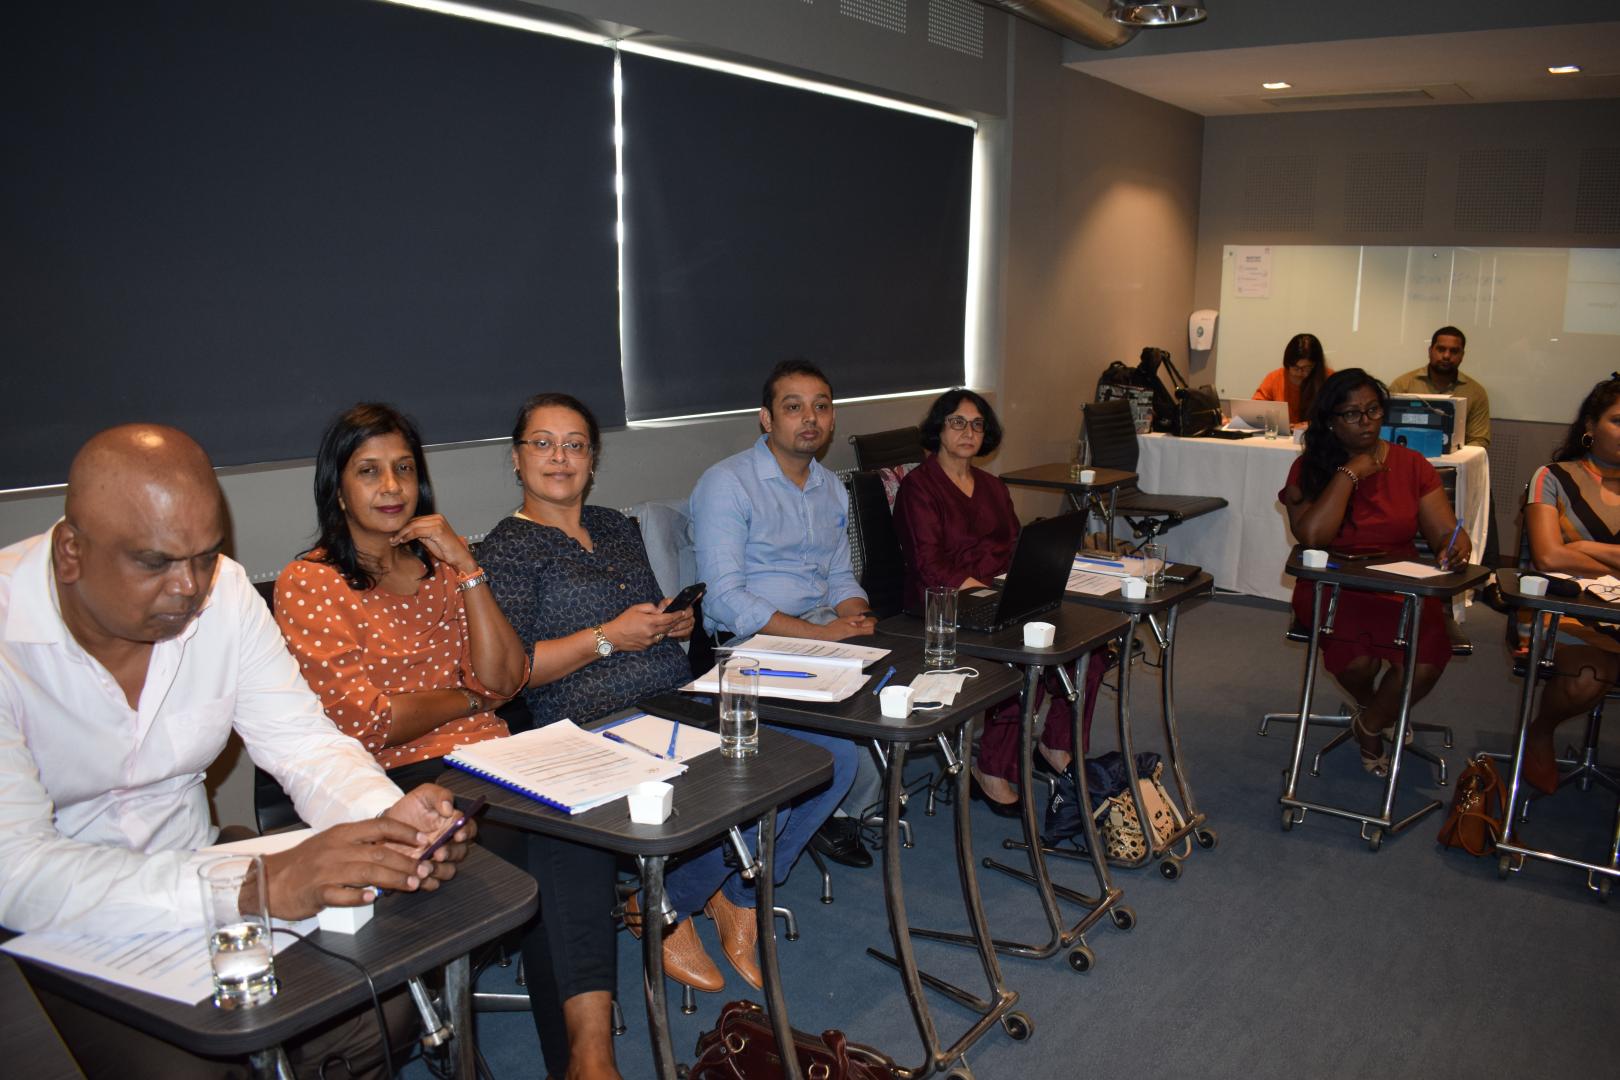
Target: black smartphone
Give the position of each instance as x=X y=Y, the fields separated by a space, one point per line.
x=1181 y=573
x=685 y=598
x=444 y=837
x=1356 y=556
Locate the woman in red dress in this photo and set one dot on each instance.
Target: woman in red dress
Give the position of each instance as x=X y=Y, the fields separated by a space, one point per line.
x=1350 y=491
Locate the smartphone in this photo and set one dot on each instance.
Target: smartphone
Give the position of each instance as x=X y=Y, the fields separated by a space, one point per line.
x=444 y=837
x=1356 y=556
x=1181 y=573
x=686 y=598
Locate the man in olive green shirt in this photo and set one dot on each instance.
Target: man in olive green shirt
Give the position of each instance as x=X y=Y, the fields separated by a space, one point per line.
x=1442 y=377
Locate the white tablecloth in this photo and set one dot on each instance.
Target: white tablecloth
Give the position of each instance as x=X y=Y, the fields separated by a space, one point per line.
x=1245 y=545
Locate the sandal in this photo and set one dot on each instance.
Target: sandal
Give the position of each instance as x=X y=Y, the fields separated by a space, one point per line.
x=1377 y=765
x=1389 y=733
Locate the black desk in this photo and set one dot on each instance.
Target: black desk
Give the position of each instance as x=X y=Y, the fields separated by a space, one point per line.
x=713 y=794
x=1413 y=591
x=30 y=1042
x=410 y=933
x=859 y=717
x=1078 y=631
x=1061 y=477
x=1546 y=611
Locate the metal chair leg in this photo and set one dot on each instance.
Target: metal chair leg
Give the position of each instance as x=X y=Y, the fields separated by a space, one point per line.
x=788 y=920
x=619 y=1027
x=826 y=878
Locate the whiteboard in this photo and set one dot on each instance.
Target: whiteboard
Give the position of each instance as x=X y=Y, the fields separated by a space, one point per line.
x=1543 y=324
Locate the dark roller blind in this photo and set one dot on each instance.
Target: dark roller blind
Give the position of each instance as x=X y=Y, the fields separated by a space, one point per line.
x=764 y=221
x=240 y=216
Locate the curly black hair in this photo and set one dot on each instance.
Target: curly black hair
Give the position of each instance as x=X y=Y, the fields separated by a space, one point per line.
x=948 y=402
x=1323 y=452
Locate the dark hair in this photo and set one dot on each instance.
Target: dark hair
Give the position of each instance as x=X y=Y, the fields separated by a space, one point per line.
x=948 y=402
x=1323 y=452
x=1598 y=402
x=1452 y=331
x=795 y=366
x=550 y=400
x=1307 y=347
x=333 y=544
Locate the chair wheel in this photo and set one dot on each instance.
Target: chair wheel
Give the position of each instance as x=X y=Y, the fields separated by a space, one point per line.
x=1017 y=1026
x=1207 y=838
x=1375 y=840
x=1287 y=818
x=1123 y=917
x=1170 y=868
x=1504 y=866
x=1081 y=958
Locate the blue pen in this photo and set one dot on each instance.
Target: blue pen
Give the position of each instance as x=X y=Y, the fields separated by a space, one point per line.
x=626 y=742
x=887 y=675
x=674 y=733
x=787 y=674
x=1445 y=553
x=1099 y=562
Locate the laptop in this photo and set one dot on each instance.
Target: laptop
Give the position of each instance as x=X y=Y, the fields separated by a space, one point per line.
x=1034 y=583
x=1254 y=413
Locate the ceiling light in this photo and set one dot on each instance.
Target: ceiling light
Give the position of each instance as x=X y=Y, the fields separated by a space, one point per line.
x=1155 y=14
x=1277 y=85
x=1565 y=69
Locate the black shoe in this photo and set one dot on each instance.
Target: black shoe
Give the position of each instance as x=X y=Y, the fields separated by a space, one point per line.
x=1000 y=809
x=839 y=839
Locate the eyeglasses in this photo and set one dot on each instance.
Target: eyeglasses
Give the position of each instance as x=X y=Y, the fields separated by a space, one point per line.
x=962 y=423
x=1356 y=416
x=1302 y=365
x=573 y=448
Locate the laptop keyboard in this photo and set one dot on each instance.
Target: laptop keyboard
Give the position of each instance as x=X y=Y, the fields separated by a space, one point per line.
x=980 y=615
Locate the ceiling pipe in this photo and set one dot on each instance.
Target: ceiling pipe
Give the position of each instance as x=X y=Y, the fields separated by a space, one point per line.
x=1085 y=21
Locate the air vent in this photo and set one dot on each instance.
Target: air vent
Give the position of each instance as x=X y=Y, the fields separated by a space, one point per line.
x=1597 y=194
x=1279 y=193
x=1385 y=192
x=1351 y=100
x=889 y=14
x=957 y=24
x=1500 y=189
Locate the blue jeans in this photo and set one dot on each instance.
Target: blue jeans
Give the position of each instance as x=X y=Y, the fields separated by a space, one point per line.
x=696 y=879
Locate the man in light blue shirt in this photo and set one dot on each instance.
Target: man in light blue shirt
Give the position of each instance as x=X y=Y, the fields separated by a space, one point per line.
x=770 y=531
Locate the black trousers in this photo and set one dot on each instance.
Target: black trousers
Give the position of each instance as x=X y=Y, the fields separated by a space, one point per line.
x=571 y=945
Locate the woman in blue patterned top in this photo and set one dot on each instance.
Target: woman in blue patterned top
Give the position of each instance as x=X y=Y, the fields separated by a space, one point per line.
x=574 y=580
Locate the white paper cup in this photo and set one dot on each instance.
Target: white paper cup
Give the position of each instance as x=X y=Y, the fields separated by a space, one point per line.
x=1315 y=558
x=1039 y=635
x=895 y=701
x=650 y=802
x=1532 y=585
x=1133 y=588
x=1087 y=476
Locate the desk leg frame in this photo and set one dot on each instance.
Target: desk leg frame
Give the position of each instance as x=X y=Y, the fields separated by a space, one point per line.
x=458 y=998
x=1373 y=827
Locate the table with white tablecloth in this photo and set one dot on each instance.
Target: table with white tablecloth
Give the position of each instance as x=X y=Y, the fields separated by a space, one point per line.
x=1245 y=545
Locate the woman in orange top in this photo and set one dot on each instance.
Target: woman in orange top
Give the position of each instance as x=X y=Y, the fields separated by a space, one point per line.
x=1302 y=373
x=394 y=628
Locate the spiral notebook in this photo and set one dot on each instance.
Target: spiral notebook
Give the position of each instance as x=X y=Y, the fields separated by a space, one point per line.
x=563 y=766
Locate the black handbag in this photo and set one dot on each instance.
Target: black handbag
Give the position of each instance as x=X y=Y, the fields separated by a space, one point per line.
x=1198 y=411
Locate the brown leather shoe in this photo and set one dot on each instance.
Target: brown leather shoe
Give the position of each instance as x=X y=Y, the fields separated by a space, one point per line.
x=739 y=937
x=685 y=959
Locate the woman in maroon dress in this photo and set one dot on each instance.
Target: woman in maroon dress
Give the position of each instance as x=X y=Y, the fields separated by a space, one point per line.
x=957 y=527
x=1352 y=491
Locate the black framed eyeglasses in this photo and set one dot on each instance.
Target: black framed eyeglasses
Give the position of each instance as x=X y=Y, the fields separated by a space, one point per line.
x=1374 y=413
x=962 y=423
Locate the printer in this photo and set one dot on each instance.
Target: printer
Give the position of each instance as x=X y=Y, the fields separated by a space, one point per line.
x=1431 y=424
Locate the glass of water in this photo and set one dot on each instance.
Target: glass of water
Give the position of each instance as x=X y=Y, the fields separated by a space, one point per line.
x=939 y=627
x=739 y=706
x=1153 y=556
x=1271 y=424
x=236 y=917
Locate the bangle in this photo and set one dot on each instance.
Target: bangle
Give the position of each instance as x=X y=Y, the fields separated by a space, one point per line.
x=474 y=703
x=470 y=574
x=1351 y=473
x=479 y=578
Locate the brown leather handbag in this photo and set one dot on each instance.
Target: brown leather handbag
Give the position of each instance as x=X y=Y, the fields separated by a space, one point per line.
x=1477 y=809
x=742 y=1047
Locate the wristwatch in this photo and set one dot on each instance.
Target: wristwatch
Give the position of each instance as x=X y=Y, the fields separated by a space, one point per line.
x=604 y=647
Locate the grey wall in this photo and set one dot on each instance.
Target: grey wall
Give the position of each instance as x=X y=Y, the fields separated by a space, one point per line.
x=1543 y=174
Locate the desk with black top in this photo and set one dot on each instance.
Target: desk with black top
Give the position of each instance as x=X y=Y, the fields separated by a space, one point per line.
x=409 y=934
x=1546 y=612
x=1064 y=477
x=1161 y=609
x=714 y=794
x=1413 y=592
x=1078 y=632
x=29 y=1042
x=860 y=718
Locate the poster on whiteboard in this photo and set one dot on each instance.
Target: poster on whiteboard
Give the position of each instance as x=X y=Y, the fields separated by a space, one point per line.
x=1251 y=271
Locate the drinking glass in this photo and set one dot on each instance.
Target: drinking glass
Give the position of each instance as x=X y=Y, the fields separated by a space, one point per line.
x=1153 y=556
x=1271 y=424
x=236 y=917
x=739 y=706
x=939 y=627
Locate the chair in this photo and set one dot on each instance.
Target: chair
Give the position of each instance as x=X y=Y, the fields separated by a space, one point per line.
x=1110 y=433
x=887 y=449
x=874 y=543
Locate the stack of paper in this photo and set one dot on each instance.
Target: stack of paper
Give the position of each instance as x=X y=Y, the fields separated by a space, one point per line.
x=564 y=766
x=799 y=669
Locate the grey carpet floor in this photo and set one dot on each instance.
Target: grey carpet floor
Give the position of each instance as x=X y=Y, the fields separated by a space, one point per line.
x=1297 y=954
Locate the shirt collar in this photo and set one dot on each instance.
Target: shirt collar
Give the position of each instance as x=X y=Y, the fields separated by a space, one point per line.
x=766 y=466
x=1429 y=378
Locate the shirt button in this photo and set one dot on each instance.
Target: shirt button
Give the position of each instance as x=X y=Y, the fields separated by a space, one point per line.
x=621 y=585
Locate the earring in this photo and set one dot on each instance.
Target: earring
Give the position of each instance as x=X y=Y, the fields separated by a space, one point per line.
x=1586 y=441
x=341 y=504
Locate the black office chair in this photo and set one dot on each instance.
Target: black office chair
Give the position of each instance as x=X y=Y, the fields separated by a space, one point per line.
x=886 y=449
x=1110 y=433
x=874 y=543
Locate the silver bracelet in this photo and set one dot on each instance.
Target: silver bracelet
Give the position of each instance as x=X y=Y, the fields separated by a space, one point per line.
x=480 y=578
x=1355 y=480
